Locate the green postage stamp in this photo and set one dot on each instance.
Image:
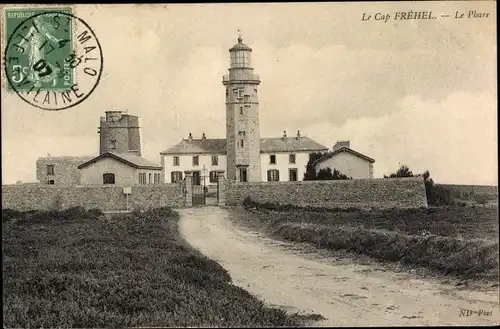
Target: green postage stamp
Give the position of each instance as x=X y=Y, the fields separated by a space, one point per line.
x=52 y=58
x=46 y=41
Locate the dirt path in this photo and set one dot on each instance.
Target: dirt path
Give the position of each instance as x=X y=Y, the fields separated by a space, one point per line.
x=345 y=294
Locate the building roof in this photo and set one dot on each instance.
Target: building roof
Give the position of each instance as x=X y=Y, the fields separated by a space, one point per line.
x=127 y=158
x=267 y=145
x=290 y=144
x=343 y=149
x=198 y=146
x=77 y=159
x=240 y=45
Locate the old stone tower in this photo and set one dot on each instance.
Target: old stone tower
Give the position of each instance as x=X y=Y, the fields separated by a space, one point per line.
x=242 y=116
x=119 y=132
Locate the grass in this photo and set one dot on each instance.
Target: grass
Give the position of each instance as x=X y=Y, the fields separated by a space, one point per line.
x=458 y=241
x=78 y=269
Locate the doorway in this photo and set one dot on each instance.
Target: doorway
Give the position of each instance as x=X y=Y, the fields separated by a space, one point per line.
x=243 y=175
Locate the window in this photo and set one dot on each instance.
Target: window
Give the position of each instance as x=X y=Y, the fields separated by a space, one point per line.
x=51 y=182
x=215 y=160
x=247 y=98
x=292 y=175
x=273 y=175
x=240 y=92
x=243 y=174
x=112 y=144
x=196 y=178
x=291 y=157
x=213 y=176
x=108 y=178
x=242 y=143
x=196 y=160
x=272 y=159
x=142 y=178
x=150 y=181
x=176 y=176
x=241 y=110
x=157 y=178
x=50 y=170
x=176 y=161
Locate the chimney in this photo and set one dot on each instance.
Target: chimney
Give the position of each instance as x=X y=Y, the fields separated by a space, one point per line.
x=190 y=138
x=341 y=144
x=203 y=137
x=284 y=134
x=298 y=134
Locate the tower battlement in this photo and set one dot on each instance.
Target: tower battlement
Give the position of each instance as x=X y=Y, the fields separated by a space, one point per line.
x=119 y=132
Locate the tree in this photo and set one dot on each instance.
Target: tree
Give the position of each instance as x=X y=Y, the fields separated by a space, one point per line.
x=310 y=173
x=403 y=171
x=437 y=195
x=337 y=175
x=328 y=174
x=324 y=174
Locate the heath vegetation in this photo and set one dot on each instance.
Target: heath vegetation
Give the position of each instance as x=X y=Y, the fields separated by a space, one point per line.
x=460 y=241
x=79 y=269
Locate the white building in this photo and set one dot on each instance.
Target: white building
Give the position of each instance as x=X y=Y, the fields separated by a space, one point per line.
x=349 y=162
x=243 y=155
x=281 y=159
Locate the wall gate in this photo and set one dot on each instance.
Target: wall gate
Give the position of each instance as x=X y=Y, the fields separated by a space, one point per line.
x=201 y=191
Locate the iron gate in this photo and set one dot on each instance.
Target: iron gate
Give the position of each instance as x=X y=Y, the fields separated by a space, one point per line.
x=204 y=192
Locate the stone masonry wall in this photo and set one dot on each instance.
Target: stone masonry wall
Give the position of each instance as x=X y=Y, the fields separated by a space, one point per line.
x=470 y=191
x=52 y=197
x=65 y=169
x=359 y=193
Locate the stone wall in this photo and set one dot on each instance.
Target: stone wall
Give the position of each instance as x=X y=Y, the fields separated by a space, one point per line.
x=470 y=191
x=65 y=169
x=52 y=197
x=360 y=193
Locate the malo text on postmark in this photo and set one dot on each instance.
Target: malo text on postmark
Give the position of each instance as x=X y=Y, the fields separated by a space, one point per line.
x=52 y=59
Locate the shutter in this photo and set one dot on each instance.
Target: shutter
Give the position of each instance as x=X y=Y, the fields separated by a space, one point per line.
x=269 y=175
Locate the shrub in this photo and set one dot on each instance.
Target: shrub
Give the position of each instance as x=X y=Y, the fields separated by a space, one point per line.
x=438 y=195
x=9 y=214
x=248 y=202
x=74 y=213
x=481 y=198
x=165 y=212
x=94 y=213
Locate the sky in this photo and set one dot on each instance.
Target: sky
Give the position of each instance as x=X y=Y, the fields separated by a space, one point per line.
x=417 y=92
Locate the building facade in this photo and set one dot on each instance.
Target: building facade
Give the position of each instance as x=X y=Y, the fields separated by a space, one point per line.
x=281 y=159
x=349 y=162
x=119 y=169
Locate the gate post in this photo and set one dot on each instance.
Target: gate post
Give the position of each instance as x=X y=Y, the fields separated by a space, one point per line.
x=189 y=188
x=222 y=186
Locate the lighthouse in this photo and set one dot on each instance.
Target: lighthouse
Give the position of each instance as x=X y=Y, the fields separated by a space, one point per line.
x=242 y=116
